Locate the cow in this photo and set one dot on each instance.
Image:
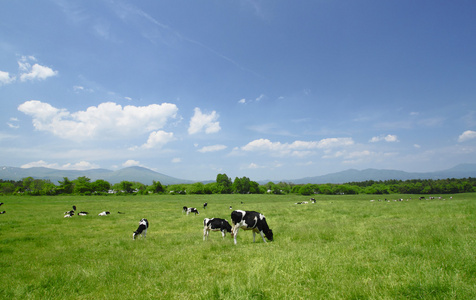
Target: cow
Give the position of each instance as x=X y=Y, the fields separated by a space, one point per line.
x=205 y=205
x=2 y=212
x=74 y=207
x=83 y=213
x=69 y=214
x=216 y=224
x=142 y=229
x=250 y=220
x=192 y=210
x=184 y=209
x=104 y=213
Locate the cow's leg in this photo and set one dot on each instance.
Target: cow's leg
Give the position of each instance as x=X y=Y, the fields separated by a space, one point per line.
x=205 y=235
x=262 y=236
x=235 y=232
x=144 y=233
x=223 y=233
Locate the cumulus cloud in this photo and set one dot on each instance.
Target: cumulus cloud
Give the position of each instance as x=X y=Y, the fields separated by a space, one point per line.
x=296 y=148
x=176 y=160
x=131 y=163
x=38 y=72
x=82 y=165
x=387 y=138
x=5 y=78
x=242 y=101
x=106 y=121
x=206 y=122
x=466 y=136
x=213 y=148
x=157 y=139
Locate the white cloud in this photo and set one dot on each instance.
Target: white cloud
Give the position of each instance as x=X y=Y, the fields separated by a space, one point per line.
x=106 y=121
x=82 y=165
x=157 y=139
x=5 y=78
x=207 y=122
x=131 y=163
x=38 y=72
x=296 y=148
x=387 y=138
x=213 y=148
x=466 y=136
x=176 y=160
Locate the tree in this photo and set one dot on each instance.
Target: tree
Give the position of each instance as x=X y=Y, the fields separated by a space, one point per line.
x=224 y=184
x=82 y=185
x=65 y=187
x=101 y=186
x=241 y=185
x=157 y=187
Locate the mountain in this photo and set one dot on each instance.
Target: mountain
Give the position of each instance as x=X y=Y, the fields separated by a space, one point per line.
x=139 y=174
x=352 y=175
x=146 y=176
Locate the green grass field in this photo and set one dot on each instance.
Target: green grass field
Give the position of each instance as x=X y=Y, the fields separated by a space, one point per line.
x=342 y=247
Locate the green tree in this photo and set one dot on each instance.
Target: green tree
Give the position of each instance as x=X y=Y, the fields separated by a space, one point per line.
x=100 y=186
x=65 y=187
x=82 y=185
x=224 y=184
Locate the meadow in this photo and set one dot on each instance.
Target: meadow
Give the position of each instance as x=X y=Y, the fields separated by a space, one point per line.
x=342 y=247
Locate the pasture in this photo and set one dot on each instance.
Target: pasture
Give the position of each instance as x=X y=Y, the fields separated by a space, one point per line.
x=342 y=247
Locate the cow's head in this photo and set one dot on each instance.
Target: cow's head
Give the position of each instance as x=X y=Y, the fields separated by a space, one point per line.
x=269 y=235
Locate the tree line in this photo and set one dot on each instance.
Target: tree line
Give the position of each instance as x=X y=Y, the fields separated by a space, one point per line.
x=225 y=185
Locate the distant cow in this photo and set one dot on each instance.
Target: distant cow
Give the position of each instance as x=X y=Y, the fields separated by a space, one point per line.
x=2 y=212
x=216 y=224
x=142 y=229
x=250 y=220
x=205 y=205
x=69 y=214
x=74 y=207
x=192 y=210
x=83 y=213
x=184 y=209
x=104 y=213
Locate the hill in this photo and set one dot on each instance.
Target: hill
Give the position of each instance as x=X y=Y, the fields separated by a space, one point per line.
x=146 y=176
x=139 y=174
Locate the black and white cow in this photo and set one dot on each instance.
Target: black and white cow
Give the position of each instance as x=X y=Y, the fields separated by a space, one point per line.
x=104 y=213
x=142 y=229
x=83 y=213
x=69 y=214
x=205 y=205
x=184 y=209
x=2 y=212
x=216 y=224
x=192 y=210
x=250 y=220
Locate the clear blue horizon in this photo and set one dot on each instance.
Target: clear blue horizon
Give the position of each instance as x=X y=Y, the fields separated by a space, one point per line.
x=255 y=88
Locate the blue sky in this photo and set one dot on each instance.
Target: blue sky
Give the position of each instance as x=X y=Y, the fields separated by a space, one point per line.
x=257 y=88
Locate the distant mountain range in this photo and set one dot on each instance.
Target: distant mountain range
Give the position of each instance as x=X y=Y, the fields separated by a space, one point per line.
x=146 y=176
x=138 y=174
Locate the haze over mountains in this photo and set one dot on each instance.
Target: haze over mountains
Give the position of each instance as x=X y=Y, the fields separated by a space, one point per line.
x=146 y=176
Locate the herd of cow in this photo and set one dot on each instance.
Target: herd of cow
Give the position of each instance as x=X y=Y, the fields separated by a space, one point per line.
x=247 y=220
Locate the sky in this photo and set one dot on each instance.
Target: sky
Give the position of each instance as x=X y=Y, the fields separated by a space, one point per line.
x=267 y=89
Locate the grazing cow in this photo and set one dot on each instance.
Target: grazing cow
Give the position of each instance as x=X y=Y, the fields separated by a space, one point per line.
x=104 y=213
x=69 y=214
x=205 y=205
x=74 y=207
x=1 y=203
x=2 y=212
x=313 y=200
x=184 y=209
x=250 y=220
x=142 y=229
x=192 y=210
x=216 y=224
x=83 y=213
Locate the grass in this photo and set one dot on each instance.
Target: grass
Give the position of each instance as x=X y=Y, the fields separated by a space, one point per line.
x=342 y=247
